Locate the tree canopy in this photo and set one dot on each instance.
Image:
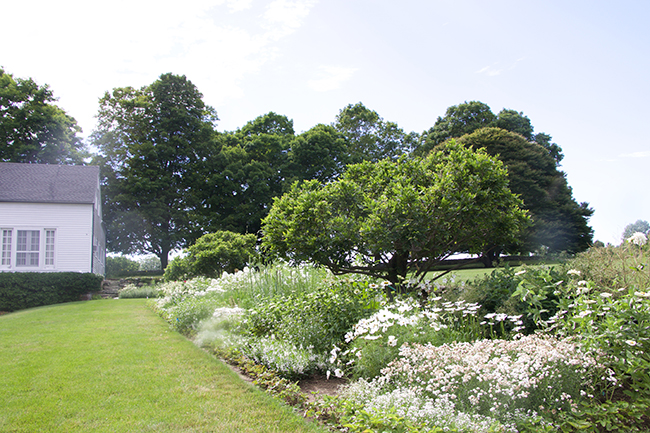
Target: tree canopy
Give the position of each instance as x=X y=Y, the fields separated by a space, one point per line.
x=153 y=143
x=391 y=218
x=369 y=137
x=559 y=222
x=640 y=226
x=32 y=128
x=465 y=118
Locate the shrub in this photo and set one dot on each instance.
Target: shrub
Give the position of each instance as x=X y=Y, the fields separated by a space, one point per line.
x=119 y=265
x=316 y=320
x=178 y=269
x=133 y=291
x=20 y=290
x=212 y=254
x=627 y=265
x=488 y=385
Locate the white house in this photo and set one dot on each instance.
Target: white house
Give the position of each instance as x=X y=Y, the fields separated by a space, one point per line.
x=51 y=219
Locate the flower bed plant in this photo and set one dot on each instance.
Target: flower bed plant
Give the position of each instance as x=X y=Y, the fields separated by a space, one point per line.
x=536 y=349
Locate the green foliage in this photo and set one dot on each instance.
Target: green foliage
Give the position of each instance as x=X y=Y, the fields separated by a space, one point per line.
x=627 y=265
x=388 y=219
x=369 y=137
x=153 y=143
x=319 y=153
x=20 y=290
x=219 y=252
x=117 y=266
x=32 y=128
x=178 y=269
x=640 y=226
x=212 y=254
x=559 y=222
x=316 y=320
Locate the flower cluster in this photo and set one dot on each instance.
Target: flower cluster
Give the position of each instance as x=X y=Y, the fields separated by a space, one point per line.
x=484 y=382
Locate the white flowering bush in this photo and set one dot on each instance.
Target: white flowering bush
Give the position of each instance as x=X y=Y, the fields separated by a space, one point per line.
x=375 y=341
x=481 y=385
x=184 y=304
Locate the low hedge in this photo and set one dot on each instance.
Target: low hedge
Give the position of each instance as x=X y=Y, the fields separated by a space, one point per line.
x=20 y=290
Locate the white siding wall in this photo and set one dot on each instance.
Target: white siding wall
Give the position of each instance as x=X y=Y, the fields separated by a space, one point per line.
x=73 y=224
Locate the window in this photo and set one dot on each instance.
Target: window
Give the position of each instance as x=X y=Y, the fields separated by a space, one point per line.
x=27 y=247
x=49 y=247
x=6 y=247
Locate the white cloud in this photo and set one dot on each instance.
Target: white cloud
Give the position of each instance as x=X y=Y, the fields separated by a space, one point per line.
x=494 y=69
x=331 y=78
x=283 y=17
x=644 y=154
x=82 y=49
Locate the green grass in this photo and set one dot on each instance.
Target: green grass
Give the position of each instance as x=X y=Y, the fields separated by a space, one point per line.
x=114 y=366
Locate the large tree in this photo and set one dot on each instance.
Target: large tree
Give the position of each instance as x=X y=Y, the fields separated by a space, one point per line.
x=392 y=218
x=248 y=168
x=465 y=118
x=154 y=142
x=559 y=222
x=319 y=153
x=369 y=137
x=33 y=129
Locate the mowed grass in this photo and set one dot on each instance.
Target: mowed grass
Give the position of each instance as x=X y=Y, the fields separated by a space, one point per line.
x=114 y=366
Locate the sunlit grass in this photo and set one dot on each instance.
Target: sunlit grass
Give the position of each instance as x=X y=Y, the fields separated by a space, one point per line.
x=114 y=366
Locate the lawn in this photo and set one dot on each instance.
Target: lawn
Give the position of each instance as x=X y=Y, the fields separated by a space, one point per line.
x=114 y=365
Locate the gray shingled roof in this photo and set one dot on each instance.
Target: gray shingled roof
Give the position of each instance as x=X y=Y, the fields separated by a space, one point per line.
x=43 y=183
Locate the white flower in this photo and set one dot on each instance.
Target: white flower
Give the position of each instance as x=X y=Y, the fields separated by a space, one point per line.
x=606 y=295
x=338 y=372
x=392 y=341
x=638 y=238
x=631 y=342
x=573 y=272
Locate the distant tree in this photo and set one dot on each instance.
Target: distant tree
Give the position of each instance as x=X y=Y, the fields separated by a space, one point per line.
x=559 y=222
x=270 y=123
x=459 y=120
x=465 y=118
x=514 y=121
x=149 y=263
x=640 y=226
x=391 y=219
x=319 y=153
x=120 y=265
x=369 y=137
x=32 y=128
x=247 y=169
x=154 y=142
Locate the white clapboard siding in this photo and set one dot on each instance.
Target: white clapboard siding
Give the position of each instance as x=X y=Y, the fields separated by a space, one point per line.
x=73 y=247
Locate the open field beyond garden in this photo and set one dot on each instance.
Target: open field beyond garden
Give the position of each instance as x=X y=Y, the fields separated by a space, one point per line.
x=115 y=366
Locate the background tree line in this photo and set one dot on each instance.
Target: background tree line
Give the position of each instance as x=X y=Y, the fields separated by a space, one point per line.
x=169 y=177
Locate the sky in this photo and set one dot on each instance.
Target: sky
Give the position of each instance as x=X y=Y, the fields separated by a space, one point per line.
x=580 y=70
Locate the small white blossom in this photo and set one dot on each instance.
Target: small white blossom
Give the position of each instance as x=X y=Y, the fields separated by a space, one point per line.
x=392 y=341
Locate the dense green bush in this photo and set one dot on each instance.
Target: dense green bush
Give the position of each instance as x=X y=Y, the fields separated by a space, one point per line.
x=20 y=290
x=317 y=320
x=119 y=265
x=212 y=254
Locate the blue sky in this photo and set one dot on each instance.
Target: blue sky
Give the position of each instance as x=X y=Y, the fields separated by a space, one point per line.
x=580 y=70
